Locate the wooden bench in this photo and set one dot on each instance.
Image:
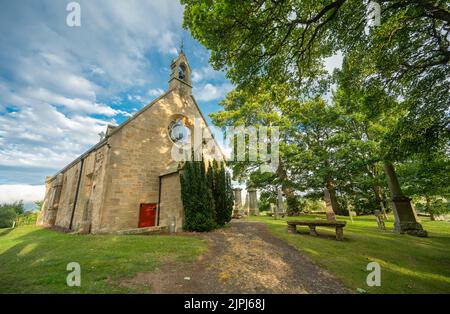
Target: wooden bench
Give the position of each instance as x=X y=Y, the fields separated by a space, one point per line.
x=339 y=225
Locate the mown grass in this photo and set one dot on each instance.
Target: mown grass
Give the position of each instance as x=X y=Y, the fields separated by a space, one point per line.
x=408 y=264
x=34 y=260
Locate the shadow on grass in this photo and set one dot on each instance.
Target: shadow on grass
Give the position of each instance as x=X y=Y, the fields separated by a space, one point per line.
x=4 y=232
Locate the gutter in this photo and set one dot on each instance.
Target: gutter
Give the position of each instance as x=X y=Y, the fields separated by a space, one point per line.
x=159 y=200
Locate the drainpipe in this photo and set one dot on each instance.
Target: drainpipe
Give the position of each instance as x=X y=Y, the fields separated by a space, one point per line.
x=76 y=194
x=159 y=200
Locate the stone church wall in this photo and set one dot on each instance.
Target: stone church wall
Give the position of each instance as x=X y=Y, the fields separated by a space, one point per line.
x=140 y=152
x=124 y=171
x=171 y=202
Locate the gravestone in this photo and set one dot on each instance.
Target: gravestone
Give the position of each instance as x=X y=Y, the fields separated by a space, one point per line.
x=246 y=206
x=352 y=214
x=380 y=219
x=273 y=209
x=237 y=212
x=406 y=220
x=252 y=202
x=280 y=204
x=329 y=209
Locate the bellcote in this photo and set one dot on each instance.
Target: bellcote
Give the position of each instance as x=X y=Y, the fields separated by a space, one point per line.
x=180 y=77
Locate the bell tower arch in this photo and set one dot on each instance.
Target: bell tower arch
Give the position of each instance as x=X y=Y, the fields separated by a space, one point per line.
x=180 y=77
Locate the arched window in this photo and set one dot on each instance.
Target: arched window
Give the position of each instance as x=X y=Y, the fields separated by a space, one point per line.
x=178 y=131
x=182 y=72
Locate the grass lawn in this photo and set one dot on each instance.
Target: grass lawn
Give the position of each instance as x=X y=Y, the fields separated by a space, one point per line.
x=34 y=260
x=408 y=264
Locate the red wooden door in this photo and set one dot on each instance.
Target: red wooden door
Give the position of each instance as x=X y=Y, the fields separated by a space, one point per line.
x=147 y=215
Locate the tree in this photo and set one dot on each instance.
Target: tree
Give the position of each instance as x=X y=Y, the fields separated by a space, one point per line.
x=288 y=39
x=426 y=178
x=255 y=106
x=39 y=205
x=407 y=56
x=222 y=193
x=9 y=212
x=197 y=199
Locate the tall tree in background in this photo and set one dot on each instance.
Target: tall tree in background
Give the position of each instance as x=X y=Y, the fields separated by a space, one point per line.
x=286 y=41
x=198 y=203
x=426 y=178
x=221 y=191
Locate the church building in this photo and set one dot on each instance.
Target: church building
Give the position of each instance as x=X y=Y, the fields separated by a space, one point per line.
x=130 y=179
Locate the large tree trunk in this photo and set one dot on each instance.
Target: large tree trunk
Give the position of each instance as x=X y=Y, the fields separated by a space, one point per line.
x=377 y=191
x=429 y=210
x=333 y=198
x=379 y=200
x=405 y=216
x=286 y=189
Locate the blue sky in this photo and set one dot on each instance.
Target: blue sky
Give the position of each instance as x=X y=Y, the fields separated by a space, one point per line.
x=60 y=86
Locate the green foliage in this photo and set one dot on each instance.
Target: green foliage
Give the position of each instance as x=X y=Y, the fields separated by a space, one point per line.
x=33 y=260
x=9 y=212
x=315 y=205
x=222 y=192
x=7 y=216
x=409 y=264
x=434 y=206
x=28 y=218
x=207 y=195
x=390 y=105
x=39 y=205
x=287 y=41
x=18 y=207
x=198 y=202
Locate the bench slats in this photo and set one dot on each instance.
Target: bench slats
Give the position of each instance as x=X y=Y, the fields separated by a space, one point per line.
x=316 y=223
x=339 y=225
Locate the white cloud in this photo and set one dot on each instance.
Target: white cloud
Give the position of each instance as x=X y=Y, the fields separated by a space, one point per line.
x=209 y=91
x=54 y=76
x=206 y=73
x=24 y=192
x=155 y=92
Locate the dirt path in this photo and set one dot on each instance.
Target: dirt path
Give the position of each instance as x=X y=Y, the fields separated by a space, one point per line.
x=243 y=258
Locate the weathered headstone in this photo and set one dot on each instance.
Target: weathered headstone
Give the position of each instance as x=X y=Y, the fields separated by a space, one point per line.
x=246 y=206
x=253 y=202
x=380 y=219
x=273 y=209
x=328 y=209
x=237 y=212
x=406 y=220
x=352 y=214
x=280 y=204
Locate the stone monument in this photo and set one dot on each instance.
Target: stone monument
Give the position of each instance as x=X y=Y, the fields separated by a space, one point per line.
x=405 y=216
x=237 y=212
x=380 y=219
x=252 y=202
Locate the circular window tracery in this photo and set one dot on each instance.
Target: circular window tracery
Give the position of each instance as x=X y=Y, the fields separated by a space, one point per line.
x=179 y=132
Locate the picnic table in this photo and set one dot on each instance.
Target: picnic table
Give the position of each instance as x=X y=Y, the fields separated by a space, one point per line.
x=312 y=224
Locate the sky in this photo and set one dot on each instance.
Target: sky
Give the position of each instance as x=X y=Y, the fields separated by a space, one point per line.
x=60 y=86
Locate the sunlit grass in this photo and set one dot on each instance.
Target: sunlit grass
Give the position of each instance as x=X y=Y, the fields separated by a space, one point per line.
x=34 y=260
x=408 y=264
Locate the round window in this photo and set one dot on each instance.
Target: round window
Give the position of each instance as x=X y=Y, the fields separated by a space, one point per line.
x=179 y=133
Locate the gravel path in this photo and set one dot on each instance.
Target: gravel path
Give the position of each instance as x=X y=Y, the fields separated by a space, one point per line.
x=243 y=258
